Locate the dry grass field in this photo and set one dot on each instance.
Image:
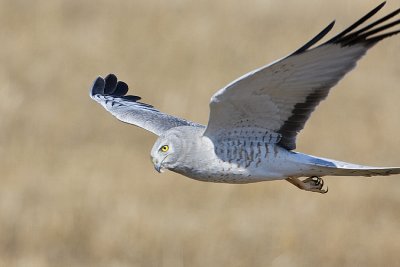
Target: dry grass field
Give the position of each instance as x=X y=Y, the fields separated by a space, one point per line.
x=78 y=188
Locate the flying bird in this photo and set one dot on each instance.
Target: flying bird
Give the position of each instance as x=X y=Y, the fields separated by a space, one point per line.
x=254 y=120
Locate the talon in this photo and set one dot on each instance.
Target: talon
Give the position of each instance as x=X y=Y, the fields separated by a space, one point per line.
x=325 y=191
x=317 y=180
x=312 y=184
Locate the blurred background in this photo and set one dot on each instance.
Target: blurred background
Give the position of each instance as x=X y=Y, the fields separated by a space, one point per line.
x=78 y=188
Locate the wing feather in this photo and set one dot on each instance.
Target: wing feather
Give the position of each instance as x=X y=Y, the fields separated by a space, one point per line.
x=281 y=96
x=111 y=94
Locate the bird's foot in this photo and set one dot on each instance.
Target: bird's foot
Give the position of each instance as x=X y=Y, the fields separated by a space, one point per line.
x=315 y=184
x=312 y=184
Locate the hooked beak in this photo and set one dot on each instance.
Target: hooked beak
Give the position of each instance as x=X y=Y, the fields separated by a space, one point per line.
x=157 y=165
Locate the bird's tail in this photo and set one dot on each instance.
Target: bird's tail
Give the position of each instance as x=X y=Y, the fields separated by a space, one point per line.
x=357 y=170
x=325 y=166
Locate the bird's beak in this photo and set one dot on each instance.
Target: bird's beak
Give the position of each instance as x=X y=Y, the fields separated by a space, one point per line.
x=157 y=165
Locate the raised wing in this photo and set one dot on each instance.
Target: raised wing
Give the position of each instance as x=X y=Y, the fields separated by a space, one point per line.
x=280 y=97
x=111 y=94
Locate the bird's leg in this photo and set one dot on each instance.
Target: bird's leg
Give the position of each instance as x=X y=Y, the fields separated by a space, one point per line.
x=313 y=184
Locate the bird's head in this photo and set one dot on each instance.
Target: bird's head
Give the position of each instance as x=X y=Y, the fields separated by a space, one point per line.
x=167 y=150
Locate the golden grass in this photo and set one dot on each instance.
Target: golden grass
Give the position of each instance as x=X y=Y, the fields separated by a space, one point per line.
x=77 y=186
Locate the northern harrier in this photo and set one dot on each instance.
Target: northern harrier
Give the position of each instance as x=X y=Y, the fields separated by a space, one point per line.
x=254 y=120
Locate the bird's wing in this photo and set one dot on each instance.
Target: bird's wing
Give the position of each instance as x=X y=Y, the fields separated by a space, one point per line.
x=111 y=94
x=279 y=98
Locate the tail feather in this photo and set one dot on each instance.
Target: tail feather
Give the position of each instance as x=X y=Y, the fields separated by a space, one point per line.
x=325 y=166
x=361 y=171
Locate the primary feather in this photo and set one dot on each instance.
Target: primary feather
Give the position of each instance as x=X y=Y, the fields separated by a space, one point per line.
x=111 y=94
x=281 y=96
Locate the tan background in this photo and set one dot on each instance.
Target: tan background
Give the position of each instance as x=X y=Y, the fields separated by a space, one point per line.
x=78 y=188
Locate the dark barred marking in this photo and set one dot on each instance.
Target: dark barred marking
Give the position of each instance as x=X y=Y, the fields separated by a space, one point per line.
x=275 y=151
x=266 y=150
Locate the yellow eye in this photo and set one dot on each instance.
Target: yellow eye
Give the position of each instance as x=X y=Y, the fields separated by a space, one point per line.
x=164 y=148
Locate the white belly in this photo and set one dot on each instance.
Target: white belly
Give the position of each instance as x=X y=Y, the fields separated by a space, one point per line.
x=244 y=163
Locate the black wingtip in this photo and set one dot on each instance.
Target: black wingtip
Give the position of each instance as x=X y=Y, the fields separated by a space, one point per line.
x=377 y=22
x=357 y=23
x=314 y=40
x=375 y=39
x=97 y=87
x=110 y=86
x=111 y=83
x=121 y=89
x=348 y=37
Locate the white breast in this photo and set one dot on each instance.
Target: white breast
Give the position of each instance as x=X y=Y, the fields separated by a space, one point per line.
x=237 y=160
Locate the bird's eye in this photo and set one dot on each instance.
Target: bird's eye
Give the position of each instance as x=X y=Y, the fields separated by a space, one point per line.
x=164 y=148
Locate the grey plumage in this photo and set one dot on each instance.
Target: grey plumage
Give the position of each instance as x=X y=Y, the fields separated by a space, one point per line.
x=254 y=120
x=127 y=108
